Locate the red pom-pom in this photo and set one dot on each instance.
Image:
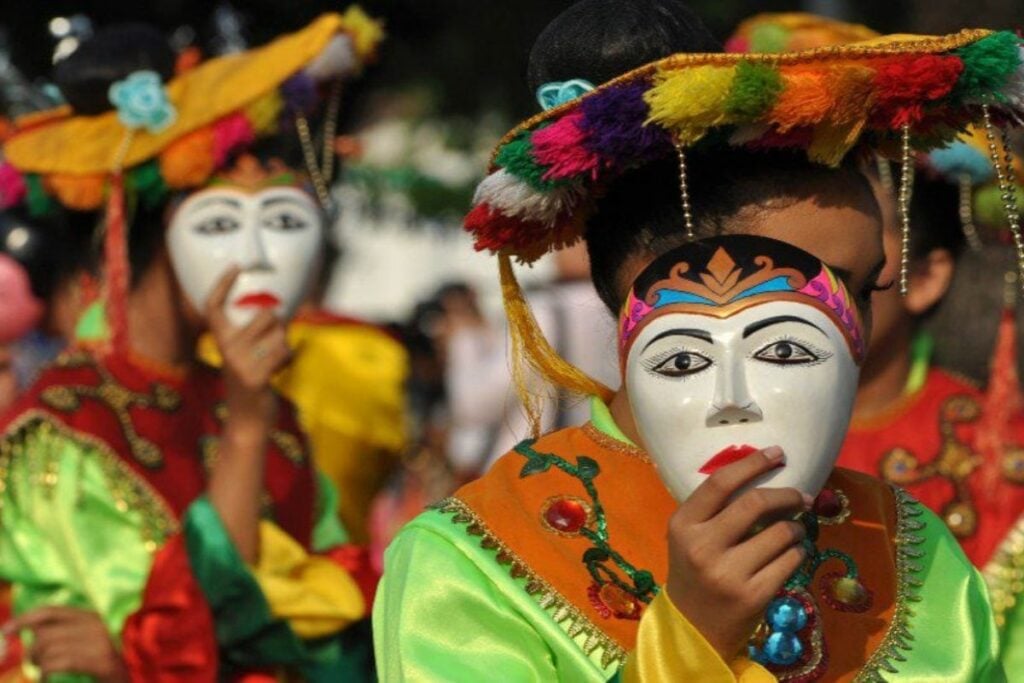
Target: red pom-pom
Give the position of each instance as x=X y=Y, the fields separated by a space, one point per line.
x=905 y=87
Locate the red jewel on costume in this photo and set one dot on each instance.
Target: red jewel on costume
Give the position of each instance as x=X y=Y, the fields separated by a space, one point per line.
x=611 y=601
x=832 y=507
x=565 y=514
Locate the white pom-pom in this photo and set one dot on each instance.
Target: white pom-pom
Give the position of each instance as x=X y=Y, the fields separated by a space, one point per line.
x=1014 y=90
x=511 y=196
x=338 y=58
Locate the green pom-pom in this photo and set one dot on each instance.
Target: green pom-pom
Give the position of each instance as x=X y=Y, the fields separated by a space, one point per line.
x=988 y=65
x=988 y=206
x=38 y=202
x=516 y=157
x=147 y=184
x=755 y=88
x=769 y=38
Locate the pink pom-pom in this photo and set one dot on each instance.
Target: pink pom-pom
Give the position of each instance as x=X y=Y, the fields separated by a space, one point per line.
x=561 y=148
x=230 y=133
x=12 y=187
x=20 y=310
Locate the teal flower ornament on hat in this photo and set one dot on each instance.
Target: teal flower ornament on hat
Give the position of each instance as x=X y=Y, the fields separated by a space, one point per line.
x=141 y=102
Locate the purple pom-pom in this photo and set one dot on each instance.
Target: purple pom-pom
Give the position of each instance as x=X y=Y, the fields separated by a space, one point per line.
x=299 y=94
x=613 y=120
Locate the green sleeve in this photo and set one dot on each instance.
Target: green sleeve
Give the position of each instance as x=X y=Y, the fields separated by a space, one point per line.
x=247 y=632
x=954 y=633
x=1013 y=643
x=447 y=611
x=66 y=537
x=328 y=532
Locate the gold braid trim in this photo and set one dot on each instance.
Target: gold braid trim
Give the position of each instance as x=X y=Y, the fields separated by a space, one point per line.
x=864 y=50
x=1004 y=573
x=898 y=638
x=129 y=490
x=565 y=614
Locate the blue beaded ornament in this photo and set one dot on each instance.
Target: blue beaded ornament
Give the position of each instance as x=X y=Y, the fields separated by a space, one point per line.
x=786 y=615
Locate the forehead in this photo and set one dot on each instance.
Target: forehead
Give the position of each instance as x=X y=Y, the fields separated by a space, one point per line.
x=230 y=198
x=843 y=236
x=743 y=321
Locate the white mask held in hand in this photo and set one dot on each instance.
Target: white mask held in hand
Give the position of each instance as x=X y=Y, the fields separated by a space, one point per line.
x=736 y=343
x=267 y=226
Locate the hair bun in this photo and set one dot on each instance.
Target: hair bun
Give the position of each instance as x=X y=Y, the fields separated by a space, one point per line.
x=110 y=55
x=598 y=40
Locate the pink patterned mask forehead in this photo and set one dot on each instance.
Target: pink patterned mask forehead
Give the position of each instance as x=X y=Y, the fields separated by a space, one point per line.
x=720 y=276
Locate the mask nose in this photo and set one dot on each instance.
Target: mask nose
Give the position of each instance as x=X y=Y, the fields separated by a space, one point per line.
x=253 y=256
x=732 y=403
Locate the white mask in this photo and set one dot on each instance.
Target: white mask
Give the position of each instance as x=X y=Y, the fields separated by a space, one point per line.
x=274 y=235
x=738 y=343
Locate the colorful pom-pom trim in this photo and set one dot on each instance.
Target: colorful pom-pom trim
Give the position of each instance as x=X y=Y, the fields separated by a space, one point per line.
x=823 y=101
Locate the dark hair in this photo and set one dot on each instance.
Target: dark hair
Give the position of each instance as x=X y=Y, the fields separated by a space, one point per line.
x=935 y=216
x=600 y=39
x=641 y=211
x=110 y=55
x=51 y=249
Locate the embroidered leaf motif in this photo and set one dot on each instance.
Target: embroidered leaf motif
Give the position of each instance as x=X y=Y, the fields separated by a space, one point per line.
x=643 y=580
x=534 y=466
x=595 y=555
x=587 y=467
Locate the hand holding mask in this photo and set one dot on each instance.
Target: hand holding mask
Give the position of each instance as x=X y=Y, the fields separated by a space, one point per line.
x=736 y=343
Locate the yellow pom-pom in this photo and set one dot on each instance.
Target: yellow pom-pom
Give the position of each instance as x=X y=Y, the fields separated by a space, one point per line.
x=366 y=32
x=690 y=101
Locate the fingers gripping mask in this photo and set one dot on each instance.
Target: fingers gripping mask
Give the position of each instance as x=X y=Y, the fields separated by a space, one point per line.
x=274 y=235
x=736 y=343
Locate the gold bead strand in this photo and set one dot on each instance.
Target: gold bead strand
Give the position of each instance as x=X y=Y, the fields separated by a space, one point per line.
x=1006 y=191
x=967 y=213
x=309 y=156
x=684 y=193
x=903 y=202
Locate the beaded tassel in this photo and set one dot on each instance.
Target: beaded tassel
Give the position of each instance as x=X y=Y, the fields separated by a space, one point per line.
x=684 y=192
x=903 y=199
x=1004 y=174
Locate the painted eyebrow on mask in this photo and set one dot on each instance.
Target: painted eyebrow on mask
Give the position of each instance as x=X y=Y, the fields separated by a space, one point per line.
x=683 y=332
x=768 y=322
x=212 y=201
x=273 y=201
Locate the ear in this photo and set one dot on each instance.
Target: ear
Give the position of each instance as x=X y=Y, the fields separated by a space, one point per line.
x=929 y=281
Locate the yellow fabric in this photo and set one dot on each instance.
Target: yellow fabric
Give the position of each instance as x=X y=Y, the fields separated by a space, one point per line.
x=89 y=144
x=314 y=595
x=669 y=648
x=347 y=381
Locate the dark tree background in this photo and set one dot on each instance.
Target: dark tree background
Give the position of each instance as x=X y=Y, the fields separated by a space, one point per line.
x=469 y=54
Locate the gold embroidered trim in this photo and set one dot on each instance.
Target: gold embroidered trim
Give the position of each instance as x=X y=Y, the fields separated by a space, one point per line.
x=565 y=614
x=1004 y=573
x=613 y=444
x=129 y=490
x=898 y=638
x=117 y=398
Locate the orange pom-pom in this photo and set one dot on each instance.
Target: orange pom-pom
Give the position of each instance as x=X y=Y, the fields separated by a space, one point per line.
x=78 y=192
x=805 y=100
x=189 y=160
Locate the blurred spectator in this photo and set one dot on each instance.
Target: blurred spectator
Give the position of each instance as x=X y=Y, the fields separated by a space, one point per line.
x=487 y=419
